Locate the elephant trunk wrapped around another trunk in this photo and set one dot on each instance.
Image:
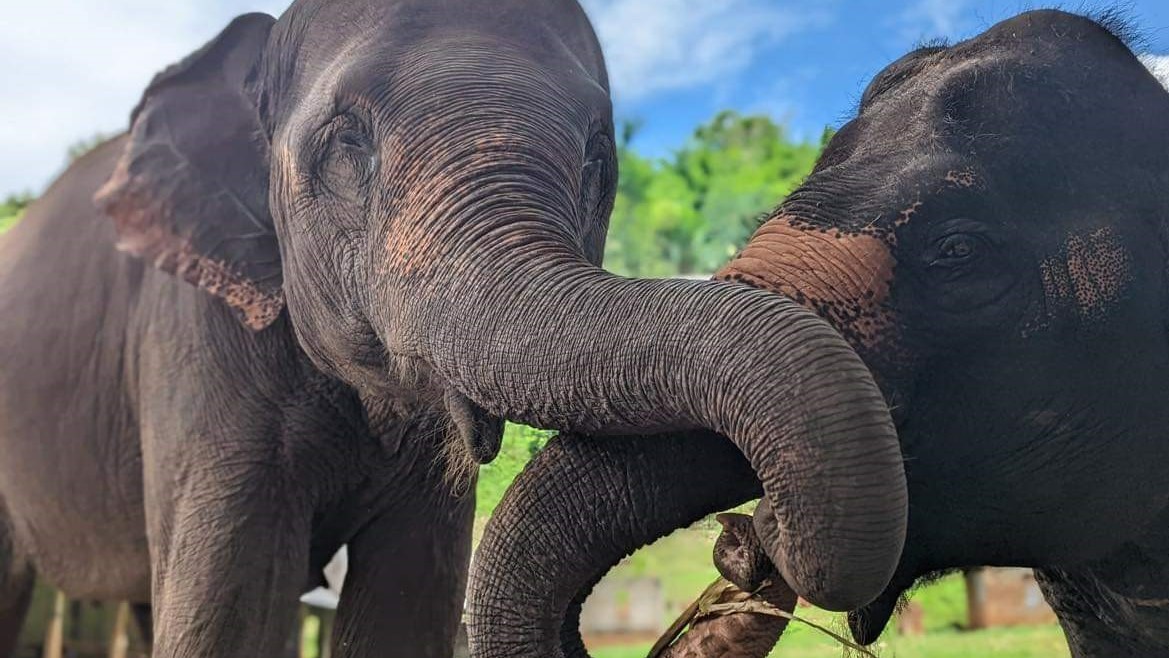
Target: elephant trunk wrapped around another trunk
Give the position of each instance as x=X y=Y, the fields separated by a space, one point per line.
x=802 y=408
x=505 y=304
x=660 y=355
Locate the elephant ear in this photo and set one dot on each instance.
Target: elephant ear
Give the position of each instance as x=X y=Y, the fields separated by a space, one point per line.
x=190 y=192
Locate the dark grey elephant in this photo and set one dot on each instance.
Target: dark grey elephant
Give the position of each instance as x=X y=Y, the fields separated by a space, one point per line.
x=991 y=233
x=393 y=215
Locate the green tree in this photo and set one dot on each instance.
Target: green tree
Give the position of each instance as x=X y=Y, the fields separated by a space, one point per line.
x=520 y=444
x=690 y=212
x=12 y=207
x=14 y=204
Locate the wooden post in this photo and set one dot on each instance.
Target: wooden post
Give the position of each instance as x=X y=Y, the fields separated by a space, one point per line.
x=975 y=599
x=55 y=635
x=120 y=638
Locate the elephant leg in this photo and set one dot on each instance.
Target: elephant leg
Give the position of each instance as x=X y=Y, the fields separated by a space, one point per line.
x=403 y=594
x=16 y=586
x=1099 y=621
x=230 y=557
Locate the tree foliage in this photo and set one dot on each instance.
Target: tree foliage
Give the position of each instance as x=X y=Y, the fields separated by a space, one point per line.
x=690 y=212
x=11 y=208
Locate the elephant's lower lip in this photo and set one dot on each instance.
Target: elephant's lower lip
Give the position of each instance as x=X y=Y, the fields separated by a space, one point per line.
x=867 y=623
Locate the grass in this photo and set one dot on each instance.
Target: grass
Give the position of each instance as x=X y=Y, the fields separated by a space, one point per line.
x=1019 y=642
x=7 y=222
x=944 y=603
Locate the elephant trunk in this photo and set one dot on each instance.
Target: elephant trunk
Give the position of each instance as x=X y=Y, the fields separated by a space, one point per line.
x=580 y=506
x=489 y=280
x=559 y=343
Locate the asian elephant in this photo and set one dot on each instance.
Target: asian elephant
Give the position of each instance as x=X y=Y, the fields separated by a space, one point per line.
x=991 y=234
x=392 y=213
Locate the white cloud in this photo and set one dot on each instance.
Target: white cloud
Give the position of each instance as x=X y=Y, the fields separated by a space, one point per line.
x=660 y=45
x=1159 y=65
x=931 y=19
x=72 y=69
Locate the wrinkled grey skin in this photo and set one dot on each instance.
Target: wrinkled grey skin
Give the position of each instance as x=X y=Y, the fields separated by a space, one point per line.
x=991 y=233
x=392 y=214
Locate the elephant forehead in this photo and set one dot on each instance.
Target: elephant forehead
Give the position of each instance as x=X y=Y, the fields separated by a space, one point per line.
x=844 y=276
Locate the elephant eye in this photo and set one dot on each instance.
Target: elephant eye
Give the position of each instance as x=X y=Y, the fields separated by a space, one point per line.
x=352 y=139
x=349 y=159
x=956 y=249
x=594 y=171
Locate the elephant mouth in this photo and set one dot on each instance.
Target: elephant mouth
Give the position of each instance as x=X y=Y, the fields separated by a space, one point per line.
x=868 y=622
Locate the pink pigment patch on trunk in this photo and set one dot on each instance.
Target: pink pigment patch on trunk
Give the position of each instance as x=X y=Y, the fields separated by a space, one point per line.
x=844 y=277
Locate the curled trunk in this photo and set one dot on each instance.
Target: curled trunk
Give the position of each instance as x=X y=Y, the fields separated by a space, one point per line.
x=547 y=339
x=582 y=505
x=507 y=308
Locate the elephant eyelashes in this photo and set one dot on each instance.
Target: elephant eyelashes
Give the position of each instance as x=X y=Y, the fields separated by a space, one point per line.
x=956 y=250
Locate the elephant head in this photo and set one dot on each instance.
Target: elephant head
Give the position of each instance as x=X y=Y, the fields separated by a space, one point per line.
x=989 y=232
x=419 y=190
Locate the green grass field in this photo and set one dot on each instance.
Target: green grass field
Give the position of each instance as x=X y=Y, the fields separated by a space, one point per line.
x=943 y=602
x=1023 y=642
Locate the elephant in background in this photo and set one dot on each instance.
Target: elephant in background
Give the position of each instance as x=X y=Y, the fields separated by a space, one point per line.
x=333 y=252
x=990 y=232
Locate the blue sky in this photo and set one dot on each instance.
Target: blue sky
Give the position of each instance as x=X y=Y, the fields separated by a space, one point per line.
x=674 y=63
x=811 y=73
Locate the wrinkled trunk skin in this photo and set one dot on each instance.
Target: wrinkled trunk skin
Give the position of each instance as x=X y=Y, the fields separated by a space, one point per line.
x=490 y=284
x=581 y=506
x=658 y=355
x=552 y=538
